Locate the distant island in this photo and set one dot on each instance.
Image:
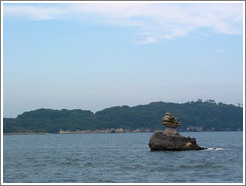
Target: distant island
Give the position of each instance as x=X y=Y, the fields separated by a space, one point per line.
x=195 y=115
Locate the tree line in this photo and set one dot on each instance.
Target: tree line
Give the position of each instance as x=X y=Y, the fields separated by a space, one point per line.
x=195 y=116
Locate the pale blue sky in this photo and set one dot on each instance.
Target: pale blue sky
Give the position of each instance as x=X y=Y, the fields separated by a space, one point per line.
x=94 y=56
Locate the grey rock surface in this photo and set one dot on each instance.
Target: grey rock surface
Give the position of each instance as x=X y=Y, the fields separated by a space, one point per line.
x=161 y=141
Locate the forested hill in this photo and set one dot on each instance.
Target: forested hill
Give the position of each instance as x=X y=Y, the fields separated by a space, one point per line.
x=195 y=116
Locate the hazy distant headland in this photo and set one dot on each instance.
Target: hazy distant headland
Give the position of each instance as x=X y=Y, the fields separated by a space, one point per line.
x=195 y=116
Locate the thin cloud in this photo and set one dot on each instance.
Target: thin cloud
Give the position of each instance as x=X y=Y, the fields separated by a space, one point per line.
x=220 y=51
x=33 y=12
x=160 y=21
x=148 y=40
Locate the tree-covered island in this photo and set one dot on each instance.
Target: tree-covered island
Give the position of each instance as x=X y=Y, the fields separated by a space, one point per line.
x=195 y=116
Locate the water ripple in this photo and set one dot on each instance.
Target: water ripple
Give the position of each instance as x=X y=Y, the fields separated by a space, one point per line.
x=124 y=158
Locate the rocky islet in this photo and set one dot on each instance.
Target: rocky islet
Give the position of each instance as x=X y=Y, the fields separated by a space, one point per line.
x=170 y=139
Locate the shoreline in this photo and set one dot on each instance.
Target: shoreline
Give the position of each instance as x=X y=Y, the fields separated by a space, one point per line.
x=100 y=132
x=27 y=133
x=33 y=133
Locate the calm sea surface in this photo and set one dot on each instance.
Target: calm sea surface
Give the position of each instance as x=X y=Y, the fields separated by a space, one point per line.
x=120 y=158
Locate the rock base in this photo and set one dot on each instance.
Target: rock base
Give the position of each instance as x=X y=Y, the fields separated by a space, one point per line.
x=160 y=141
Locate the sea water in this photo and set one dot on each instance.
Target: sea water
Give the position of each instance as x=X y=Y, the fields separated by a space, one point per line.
x=120 y=158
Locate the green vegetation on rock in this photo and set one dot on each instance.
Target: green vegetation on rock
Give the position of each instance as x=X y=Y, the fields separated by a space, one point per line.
x=195 y=116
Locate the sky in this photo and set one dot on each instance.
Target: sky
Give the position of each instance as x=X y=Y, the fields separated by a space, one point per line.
x=92 y=56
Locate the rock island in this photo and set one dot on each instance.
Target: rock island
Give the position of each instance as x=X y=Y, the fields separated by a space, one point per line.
x=170 y=139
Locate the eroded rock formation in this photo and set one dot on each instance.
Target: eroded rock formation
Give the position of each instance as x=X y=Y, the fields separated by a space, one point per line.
x=170 y=139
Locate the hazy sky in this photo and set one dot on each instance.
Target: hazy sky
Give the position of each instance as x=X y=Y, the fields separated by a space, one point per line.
x=97 y=55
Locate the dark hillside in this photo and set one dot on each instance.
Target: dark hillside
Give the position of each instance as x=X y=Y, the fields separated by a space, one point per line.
x=195 y=116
